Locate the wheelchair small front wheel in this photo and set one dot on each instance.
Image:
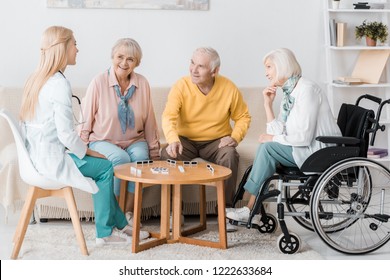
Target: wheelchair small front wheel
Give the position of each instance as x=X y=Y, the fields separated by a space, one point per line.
x=289 y=247
x=267 y=224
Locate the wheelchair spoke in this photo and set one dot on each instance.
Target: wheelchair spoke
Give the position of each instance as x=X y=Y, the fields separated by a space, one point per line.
x=353 y=217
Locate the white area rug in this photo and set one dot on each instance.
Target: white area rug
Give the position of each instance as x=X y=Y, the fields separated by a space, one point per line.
x=57 y=241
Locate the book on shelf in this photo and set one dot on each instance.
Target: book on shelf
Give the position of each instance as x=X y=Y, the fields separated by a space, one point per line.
x=348 y=81
x=381 y=155
x=375 y=151
x=338 y=31
x=341 y=30
x=332 y=26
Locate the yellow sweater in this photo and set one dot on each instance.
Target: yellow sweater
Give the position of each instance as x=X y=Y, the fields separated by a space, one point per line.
x=200 y=117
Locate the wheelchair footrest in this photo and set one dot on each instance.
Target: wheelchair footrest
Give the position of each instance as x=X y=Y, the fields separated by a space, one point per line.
x=243 y=224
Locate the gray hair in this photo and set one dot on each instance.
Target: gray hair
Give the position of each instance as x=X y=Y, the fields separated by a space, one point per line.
x=286 y=64
x=215 y=61
x=132 y=47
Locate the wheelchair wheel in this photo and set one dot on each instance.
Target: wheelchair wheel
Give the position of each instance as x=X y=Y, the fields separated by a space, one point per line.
x=267 y=224
x=350 y=206
x=289 y=247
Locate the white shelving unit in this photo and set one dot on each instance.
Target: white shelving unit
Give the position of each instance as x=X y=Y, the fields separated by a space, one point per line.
x=340 y=61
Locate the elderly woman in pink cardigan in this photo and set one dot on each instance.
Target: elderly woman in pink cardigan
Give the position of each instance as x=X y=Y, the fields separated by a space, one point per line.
x=119 y=117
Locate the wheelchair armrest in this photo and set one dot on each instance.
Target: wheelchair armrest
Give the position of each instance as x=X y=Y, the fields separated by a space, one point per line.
x=338 y=140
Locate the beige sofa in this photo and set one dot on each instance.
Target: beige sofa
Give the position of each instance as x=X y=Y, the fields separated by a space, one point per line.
x=12 y=189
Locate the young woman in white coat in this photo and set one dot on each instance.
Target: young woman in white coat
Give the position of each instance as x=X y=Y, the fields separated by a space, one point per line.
x=290 y=139
x=55 y=148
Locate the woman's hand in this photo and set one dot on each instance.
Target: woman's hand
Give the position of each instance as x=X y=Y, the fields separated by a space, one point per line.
x=263 y=138
x=269 y=94
x=93 y=153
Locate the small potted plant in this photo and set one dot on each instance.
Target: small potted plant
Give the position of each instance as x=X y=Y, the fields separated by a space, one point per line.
x=373 y=31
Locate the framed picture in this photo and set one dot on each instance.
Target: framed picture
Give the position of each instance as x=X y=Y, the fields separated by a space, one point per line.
x=201 y=5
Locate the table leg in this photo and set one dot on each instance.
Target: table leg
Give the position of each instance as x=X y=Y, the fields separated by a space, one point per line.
x=179 y=236
x=165 y=210
x=137 y=216
x=221 y=214
x=176 y=212
x=122 y=194
x=163 y=236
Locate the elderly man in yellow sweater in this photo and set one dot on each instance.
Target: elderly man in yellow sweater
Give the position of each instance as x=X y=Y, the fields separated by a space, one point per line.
x=196 y=119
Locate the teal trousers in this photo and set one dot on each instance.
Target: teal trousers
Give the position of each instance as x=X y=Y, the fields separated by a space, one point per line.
x=107 y=211
x=268 y=156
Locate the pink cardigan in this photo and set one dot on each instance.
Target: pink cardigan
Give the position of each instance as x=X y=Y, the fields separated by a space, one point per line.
x=100 y=112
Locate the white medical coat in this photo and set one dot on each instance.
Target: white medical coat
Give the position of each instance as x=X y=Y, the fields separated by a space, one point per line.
x=50 y=136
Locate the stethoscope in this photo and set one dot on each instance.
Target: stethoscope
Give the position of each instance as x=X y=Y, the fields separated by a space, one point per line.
x=77 y=122
x=77 y=98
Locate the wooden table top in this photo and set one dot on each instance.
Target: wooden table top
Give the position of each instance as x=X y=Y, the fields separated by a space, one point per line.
x=193 y=174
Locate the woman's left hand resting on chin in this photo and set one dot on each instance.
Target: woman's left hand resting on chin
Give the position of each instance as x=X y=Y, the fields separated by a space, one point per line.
x=93 y=153
x=265 y=138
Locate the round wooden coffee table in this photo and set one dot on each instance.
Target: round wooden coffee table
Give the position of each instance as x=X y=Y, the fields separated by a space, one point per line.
x=167 y=174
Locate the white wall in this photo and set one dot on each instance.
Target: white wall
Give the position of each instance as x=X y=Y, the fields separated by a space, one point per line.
x=242 y=31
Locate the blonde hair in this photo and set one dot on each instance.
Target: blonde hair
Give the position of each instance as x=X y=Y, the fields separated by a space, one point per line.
x=54 y=46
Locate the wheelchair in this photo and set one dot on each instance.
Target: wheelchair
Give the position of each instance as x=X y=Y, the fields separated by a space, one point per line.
x=338 y=192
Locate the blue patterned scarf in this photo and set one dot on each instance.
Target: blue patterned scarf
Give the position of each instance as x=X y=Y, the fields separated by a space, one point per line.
x=288 y=100
x=125 y=112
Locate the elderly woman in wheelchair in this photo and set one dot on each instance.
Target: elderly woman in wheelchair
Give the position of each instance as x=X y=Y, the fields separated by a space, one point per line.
x=320 y=167
x=304 y=114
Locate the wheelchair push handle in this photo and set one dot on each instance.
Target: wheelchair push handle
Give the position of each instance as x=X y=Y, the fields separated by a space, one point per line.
x=377 y=126
x=370 y=97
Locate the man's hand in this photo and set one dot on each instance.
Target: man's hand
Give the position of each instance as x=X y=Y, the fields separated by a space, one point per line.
x=227 y=141
x=174 y=148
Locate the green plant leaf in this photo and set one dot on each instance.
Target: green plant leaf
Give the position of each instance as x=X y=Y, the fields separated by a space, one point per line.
x=374 y=30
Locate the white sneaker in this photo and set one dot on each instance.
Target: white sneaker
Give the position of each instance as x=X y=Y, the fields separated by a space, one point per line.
x=227 y=210
x=170 y=221
x=129 y=218
x=128 y=231
x=116 y=238
x=239 y=214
